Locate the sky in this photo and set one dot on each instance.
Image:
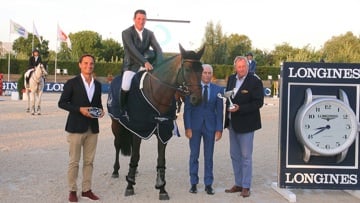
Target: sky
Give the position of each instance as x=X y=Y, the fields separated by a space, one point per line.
x=267 y=23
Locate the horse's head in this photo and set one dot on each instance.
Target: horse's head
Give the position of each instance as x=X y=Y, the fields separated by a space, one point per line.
x=190 y=74
x=42 y=67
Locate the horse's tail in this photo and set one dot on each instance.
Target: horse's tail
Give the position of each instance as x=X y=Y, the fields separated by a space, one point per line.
x=126 y=143
x=123 y=138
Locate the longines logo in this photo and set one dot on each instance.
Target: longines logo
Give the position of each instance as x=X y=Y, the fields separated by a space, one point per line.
x=321 y=178
x=329 y=73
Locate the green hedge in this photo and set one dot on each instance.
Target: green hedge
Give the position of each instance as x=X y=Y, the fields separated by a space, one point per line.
x=105 y=69
x=223 y=71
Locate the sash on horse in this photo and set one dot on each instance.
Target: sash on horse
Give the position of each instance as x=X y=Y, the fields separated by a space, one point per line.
x=141 y=117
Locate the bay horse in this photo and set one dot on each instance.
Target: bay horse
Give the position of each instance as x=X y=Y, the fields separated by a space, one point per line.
x=180 y=73
x=35 y=88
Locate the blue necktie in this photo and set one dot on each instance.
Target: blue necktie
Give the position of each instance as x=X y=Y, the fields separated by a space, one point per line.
x=205 y=94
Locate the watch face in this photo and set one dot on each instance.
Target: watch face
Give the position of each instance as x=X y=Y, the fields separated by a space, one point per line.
x=327 y=126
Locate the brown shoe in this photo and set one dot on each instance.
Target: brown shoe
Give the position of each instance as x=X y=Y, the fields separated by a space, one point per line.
x=89 y=195
x=234 y=189
x=245 y=192
x=73 y=196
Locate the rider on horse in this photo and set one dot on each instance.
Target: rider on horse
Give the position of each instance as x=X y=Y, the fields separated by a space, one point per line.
x=34 y=60
x=137 y=41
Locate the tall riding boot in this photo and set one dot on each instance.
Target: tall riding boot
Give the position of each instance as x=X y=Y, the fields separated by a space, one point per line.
x=123 y=99
x=160 y=178
x=27 y=82
x=130 y=178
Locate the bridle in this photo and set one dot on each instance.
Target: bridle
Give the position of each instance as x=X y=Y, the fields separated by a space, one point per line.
x=181 y=87
x=184 y=87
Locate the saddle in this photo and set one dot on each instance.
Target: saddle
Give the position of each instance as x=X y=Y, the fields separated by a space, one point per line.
x=141 y=118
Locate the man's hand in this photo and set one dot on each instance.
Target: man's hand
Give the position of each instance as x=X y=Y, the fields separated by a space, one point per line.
x=148 y=66
x=188 y=133
x=218 y=135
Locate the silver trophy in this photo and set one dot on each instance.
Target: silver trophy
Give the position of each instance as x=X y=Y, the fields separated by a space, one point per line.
x=228 y=95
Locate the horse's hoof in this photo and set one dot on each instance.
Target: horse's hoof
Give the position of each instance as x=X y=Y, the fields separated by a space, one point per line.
x=38 y=113
x=164 y=196
x=27 y=110
x=129 y=192
x=115 y=175
x=32 y=113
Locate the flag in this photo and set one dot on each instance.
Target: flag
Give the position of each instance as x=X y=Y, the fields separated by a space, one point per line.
x=62 y=36
x=36 y=33
x=18 y=29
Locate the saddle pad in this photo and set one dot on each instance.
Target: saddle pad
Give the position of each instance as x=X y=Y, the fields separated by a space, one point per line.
x=140 y=118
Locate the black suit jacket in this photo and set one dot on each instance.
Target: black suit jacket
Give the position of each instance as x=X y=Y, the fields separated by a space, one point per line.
x=72 y=98
x=33 y=63
x=250 y=98
x=135 y=49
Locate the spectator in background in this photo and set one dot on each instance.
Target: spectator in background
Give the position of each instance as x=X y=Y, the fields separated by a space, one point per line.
x=252 y=63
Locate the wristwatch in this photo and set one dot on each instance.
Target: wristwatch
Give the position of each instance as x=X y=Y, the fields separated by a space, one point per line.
x=326 y=125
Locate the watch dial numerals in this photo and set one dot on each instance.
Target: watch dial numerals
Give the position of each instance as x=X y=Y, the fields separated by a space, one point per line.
x=310 y=136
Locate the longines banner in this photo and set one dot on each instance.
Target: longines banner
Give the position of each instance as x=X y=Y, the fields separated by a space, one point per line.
x=49 y=87
x=319 y=126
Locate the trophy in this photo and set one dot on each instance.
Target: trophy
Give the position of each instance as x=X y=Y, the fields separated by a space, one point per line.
x=228 y=95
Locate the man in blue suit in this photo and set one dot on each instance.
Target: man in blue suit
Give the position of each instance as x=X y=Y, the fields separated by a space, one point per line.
x=204 y=121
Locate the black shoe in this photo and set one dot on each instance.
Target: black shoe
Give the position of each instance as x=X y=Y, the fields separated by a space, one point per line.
x=209 y=190
x=193 y=189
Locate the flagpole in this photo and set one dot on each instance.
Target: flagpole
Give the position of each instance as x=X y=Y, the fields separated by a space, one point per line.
x=9 y=54
x=56 y=50
x=32 y=43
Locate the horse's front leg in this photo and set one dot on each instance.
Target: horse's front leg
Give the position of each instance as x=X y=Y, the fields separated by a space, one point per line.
x=32 y=102
x=27 y=93
x=115 y=127
x=38 y=102
x=134 y=160
x=160 y=176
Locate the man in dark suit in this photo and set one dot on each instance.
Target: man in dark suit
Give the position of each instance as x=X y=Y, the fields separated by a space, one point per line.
x=252 y=63
x=34 y=60
x=242 y=121
x=80 y=94
x=204 y=121
x=137 y=41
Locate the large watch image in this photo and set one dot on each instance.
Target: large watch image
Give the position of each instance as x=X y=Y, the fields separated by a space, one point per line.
x=326 y=125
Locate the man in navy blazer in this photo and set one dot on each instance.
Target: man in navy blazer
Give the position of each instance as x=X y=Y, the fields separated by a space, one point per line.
x=204 y=121
x=79 y=95
x=242 y=121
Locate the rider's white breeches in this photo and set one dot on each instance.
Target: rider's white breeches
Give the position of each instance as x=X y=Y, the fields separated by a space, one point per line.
x=126 y=80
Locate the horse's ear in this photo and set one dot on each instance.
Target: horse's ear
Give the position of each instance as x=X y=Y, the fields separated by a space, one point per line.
x=201 y=51
x=182 y=50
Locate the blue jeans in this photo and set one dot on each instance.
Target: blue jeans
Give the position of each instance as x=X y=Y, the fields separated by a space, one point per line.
x=241 y=149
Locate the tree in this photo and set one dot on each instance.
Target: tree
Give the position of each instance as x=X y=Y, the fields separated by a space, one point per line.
x=23 y=47
x=215 y=42
x=237 y=45
x=85 y=42
x=344 y=48
x=111 y=51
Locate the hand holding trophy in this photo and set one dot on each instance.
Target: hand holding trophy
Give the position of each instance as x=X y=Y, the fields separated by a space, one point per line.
x=228 y=95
